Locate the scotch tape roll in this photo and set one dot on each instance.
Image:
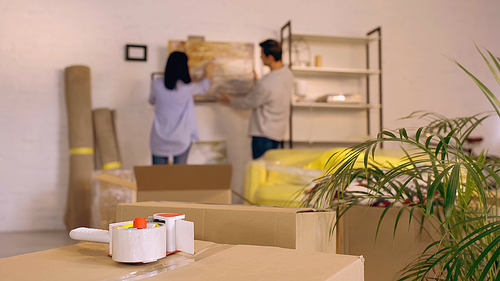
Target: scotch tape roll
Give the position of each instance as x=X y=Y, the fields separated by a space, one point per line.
x=139 y=245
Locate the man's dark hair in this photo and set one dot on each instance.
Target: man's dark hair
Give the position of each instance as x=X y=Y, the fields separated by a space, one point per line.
x=176 y=69
x=273 y=48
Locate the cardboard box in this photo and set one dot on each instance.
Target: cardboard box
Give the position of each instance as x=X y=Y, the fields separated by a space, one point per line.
x=89 y=261
x=293 y=228
x=184 y=183
x=385 y=257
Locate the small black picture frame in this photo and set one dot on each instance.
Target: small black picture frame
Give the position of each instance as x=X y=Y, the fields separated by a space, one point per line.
x=136 y=52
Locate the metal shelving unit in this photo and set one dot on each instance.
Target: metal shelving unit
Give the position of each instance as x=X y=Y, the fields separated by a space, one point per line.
x=334 y=105
x=333 y=70
x=367 y=73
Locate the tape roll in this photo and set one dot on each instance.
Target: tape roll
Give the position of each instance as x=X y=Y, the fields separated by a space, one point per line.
x=139 y=245
x=112 y=165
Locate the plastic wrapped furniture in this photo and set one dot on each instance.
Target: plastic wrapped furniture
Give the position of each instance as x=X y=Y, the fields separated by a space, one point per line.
x=281 y=176
x=107 y=195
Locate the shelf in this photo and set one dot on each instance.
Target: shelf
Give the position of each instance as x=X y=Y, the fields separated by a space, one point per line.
x=334 y=70
x=343 y=39
x=348 y=61
x=334 y=105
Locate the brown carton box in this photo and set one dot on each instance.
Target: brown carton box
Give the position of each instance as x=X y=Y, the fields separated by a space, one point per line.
x=89 y=261
x=184 y=183
x=293 y=228
x=387 y=255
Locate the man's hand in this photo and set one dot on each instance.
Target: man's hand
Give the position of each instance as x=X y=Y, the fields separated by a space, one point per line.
x=225 y=98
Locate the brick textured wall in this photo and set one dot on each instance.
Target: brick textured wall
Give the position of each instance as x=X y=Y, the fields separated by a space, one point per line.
x=38 y=39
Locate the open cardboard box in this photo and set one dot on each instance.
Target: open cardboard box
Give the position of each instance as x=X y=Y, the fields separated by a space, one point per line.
x=185 y=183
x=293 y=228
x=89 y=261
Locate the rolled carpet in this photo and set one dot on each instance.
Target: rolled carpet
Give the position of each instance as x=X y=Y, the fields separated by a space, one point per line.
x=106 y=139
x=78 y=106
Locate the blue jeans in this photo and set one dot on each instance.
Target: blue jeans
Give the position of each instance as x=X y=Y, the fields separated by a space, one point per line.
x=261 y=144
x=180 y=159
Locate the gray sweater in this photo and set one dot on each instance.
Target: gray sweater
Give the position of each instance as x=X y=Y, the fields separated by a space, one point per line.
x=270 y=103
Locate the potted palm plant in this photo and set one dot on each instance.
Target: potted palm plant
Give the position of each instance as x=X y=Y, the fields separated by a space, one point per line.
x=451 y=189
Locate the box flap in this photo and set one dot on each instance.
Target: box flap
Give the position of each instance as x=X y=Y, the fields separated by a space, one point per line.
x=116 y=180
x=183 y=177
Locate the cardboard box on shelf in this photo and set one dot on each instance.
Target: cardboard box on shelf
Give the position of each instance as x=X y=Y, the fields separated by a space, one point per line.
x=89 y=261
x=293 y=228
x=184 y=183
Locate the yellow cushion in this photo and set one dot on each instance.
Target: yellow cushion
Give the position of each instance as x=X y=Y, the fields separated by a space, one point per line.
x=279 y=195
x=383 y=158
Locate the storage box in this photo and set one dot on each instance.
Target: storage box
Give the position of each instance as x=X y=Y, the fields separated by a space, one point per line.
x=185 y=183
x=386 y=256
x=293 y=228
x=89 y=261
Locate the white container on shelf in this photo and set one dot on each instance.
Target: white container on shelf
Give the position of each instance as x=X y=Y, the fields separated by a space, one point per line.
x=301 y=88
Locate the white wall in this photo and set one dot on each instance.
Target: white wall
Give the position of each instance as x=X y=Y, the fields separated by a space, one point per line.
x=38 y=39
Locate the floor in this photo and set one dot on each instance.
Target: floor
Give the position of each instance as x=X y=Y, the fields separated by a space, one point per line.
x=18 y=243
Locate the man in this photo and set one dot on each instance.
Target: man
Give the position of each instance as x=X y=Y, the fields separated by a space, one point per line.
x=269 y=101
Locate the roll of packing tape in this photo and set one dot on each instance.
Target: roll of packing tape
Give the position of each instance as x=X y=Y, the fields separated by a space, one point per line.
x=139 y=245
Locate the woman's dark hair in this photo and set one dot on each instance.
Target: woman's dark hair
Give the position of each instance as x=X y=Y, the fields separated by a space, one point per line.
x=176 y=69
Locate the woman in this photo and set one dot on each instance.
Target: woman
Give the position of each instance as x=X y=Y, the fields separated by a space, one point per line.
x=174 y=126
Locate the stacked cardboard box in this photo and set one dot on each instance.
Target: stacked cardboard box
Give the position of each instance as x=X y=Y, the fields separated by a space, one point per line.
x=89 y=261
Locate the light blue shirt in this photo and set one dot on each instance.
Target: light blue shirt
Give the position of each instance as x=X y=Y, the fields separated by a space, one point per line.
x=174 y=126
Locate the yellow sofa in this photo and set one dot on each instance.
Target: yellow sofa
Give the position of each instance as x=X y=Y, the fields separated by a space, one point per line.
x=279 y=177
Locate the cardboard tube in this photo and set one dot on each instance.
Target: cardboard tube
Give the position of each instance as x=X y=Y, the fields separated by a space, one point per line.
x=105 y=136
x=78 y=106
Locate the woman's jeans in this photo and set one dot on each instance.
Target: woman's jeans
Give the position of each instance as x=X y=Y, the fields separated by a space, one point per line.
x=180 y=159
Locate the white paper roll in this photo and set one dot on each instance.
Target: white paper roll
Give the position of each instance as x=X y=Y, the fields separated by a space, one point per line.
x=139 y=245
x=301 y=88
